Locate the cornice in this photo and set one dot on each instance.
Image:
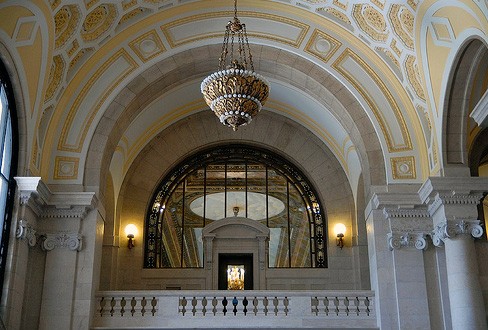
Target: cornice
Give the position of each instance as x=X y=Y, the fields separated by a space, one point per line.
x=73 y=212
x=388 y=199
x=452 y=186
x=34 y=193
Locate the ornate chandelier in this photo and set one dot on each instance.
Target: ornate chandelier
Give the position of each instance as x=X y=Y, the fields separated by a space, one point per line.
x=235 y=93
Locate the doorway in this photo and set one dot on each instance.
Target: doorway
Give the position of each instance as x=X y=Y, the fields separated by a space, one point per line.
x=236 y=259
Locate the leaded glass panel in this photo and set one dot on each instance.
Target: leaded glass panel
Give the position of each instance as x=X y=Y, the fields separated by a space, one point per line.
x=232 y=181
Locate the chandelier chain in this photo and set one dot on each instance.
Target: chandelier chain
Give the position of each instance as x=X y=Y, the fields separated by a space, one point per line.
x=235 y=93
x=248 y=48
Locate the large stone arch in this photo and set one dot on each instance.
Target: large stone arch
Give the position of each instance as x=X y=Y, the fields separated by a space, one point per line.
x=270 y=131
x=191 y=64
x=464 y=91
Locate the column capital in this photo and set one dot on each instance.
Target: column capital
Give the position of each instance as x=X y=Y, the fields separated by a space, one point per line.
x=25 y=231
x=72 y=241
x=398 y=240
x=454 y=227
x=409 y=227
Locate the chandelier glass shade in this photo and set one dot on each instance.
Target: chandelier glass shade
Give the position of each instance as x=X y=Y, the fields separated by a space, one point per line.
x=235 y=93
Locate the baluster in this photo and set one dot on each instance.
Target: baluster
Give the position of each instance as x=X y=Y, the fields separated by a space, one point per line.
x=285 y=303
x=143 y=305
x=224 y=303
x=122 y=306
x=133 y=304
x=368 y=303
x=346 y=304
x=275 y=304
x=214 y=304
x=183 y=303
x=204 y=306
x=362 y=309
x=265 y=304
x=234 y=303
x=112 y=305
x=336 y=304
x=102 y=305
x=244 y=303
x=255 y=303
x=342 y=306
x=356 y=305
x=328 y=304
x=194 y=304
x=315 y=305
x=154 y=303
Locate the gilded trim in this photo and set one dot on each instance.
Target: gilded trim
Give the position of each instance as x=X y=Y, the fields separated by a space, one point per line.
x=197 y=37
x=62 y=164
x=62 y=144
x=334 y=45
x=403 y=168
x=348 y=53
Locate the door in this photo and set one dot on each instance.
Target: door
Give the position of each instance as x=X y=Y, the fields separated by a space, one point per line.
x=238 y=260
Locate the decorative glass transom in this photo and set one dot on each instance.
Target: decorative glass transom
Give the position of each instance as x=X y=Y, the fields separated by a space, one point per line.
x=235 y=181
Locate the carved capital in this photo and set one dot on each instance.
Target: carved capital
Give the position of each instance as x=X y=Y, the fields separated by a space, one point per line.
x=25 y=231
x=452 y=228
x=404 y=240
x=71 y=241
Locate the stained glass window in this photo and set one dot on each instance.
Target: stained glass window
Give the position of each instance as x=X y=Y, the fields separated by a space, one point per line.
x=235 y=181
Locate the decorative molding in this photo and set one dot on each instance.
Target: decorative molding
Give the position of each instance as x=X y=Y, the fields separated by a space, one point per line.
x=72 y=241
x=342 y=67
x=170 y=29
x=455 y=227
x=322 y=45
x=480 y=111
x=400 y=240
x=406 y=213
x=71 y=212
x=403 y=167
x=25 y=231
x=454 y=199
x=437 y=191
x=66 y=168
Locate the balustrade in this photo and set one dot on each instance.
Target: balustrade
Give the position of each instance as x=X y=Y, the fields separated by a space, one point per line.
x=221 y=309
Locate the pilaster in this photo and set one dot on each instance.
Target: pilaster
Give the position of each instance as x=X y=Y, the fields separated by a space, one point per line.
x=409 y=225
x=59 y=232
x=452 y=203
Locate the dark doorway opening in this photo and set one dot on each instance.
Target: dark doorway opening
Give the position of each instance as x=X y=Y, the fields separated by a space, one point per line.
x=236 y=259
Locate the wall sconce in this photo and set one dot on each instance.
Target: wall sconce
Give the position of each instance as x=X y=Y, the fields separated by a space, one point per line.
x=131 y=232
x=340 y=230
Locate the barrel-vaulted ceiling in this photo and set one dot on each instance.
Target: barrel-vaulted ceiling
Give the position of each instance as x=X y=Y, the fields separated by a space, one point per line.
x=336 y=67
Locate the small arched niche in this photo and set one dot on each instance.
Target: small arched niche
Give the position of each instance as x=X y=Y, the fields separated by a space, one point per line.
x=233 y=239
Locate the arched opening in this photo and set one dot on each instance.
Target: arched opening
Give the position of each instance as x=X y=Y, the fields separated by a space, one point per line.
x=235 y=180
x=469 y=81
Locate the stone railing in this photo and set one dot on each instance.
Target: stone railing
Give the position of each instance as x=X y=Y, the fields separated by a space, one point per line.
x=234 y=309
